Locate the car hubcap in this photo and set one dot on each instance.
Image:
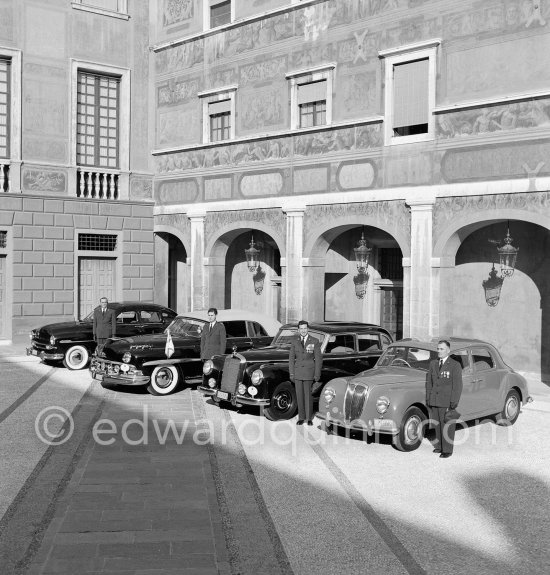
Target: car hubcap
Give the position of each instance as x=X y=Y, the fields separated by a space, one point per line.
x=76 y=357
x=511 y=408
x=412 y=430
x=283 y=401
x=164 y=378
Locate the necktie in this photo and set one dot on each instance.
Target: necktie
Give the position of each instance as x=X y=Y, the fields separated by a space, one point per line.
x=303 y=342
x=440 y=363
x=211 y=326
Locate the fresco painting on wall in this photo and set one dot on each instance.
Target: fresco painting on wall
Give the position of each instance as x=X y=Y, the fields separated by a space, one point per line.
x=262 y=108
x=176 y=11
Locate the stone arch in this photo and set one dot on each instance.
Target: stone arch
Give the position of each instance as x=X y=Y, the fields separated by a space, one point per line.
x=163 y=228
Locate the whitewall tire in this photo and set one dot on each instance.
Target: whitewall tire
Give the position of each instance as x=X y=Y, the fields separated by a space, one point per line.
x=164 y=380
x=76 y=357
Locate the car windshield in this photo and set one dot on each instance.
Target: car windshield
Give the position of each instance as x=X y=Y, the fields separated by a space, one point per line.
x=285 y=336
x=184 y=326
x=407 y=356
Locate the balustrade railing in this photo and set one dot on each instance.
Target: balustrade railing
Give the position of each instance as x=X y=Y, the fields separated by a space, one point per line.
x=97 y=184
x=5 y=183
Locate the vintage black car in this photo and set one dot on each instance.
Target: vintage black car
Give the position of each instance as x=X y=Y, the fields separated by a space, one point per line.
x=144 y=360
x=260 y=377
x=73 y=343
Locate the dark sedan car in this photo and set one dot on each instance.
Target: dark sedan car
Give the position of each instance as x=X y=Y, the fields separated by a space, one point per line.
x=260 y=377
x=72 y=342
x=135 y=361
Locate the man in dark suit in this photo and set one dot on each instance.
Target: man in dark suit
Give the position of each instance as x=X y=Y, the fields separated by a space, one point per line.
x=104 y=325
x=443 y=391
x=305 y=361
x=213 y=337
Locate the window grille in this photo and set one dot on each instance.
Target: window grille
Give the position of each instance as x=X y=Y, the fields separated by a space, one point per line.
x=391 y=264
x=97 y=242
x=3 y=239
x=220 y=14
x=97 y=120
x=4 y=108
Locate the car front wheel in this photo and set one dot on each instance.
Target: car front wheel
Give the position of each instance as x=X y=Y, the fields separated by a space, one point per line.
x=164 y=380
x=411 y=430
x=76 y=357
x=511 y=409
x=283 y=403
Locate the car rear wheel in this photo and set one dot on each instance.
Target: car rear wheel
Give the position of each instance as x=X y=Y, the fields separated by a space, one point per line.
x=411 y=430
x=284 y=404
x=511 y=409
x=76 y=357
x=164 y=380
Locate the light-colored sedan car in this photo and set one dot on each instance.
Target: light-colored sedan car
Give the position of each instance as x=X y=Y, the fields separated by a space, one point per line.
x=391 y=397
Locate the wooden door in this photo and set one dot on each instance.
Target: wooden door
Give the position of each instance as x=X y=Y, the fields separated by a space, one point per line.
x=392 y=311
x=96 y=280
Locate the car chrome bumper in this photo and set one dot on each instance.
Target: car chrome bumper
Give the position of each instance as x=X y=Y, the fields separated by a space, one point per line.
x=373 y=426
x=44 y=355
x=119 y=380
x=237 y=399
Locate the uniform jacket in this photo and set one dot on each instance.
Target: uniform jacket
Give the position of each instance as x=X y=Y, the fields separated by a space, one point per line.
x=213 y=341
x=305 y=362
x=104 y=323
x=444 y=387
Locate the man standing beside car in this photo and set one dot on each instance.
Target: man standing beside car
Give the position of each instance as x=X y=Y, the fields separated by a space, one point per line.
x=443 y=391
x=305 y=361
x=213 y=336
x=104 y=325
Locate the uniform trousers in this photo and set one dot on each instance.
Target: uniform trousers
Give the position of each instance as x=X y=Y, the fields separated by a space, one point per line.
x=305 y=399
x=444 y=432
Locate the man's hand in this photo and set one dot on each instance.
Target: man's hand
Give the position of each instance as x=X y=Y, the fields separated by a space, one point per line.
x=453 y=406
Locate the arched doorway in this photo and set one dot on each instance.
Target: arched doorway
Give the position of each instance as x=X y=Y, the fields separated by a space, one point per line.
x=234 y=285
x=374 y=296
x=171 y=272
x=518 y=322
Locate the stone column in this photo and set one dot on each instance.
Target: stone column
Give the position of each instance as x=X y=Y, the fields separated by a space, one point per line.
x=198 y=276
x=406 y=297
x=293 y=260
x=215 y=274
x=441 y=323
x=314 y=289
x=420 y=292
x=162 y=262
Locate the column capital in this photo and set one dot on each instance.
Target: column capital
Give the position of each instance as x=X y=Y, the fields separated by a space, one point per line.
x=295 y=211
x=196 y=216
x=421 y=202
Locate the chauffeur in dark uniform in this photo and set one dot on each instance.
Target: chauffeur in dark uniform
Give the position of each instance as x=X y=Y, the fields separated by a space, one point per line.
x=443 y=391
x=305 y=361
x=213 y=337
x=104 y=325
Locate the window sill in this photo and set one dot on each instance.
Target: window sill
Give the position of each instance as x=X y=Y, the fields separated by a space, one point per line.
x=94 y=10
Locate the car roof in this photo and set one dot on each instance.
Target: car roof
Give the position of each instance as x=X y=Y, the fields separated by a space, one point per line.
x=137 y=305
x=456 y=342
x=339 y=326
x=268 y=322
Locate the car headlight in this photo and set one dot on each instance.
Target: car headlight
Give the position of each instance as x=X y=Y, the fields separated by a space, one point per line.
x=52 y=340
x=208 y=367
x=382 y=404
x=329 y=394
x=124 y=368
x=211 y=382
x=253 y=391
x=242 y=389
x=127 y=357
x=257 y=377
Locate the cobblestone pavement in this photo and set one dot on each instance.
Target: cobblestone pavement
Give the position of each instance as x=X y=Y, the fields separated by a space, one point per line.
x=151 y=485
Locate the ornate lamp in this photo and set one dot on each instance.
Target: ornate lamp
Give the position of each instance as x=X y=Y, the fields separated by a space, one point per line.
x=361 y=280
x=508 y=256
x=252 y=256
x=259 y=278
x=362 y=253
x=492 y=287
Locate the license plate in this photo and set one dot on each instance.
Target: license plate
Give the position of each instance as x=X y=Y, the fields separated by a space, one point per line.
x=98 y=376
x=222 y=395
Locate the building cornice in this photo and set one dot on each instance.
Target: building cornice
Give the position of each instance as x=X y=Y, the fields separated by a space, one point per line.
x=491 y=101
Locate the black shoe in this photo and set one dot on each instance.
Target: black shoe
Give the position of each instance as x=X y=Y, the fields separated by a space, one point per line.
x=310 y=422
x=437 y=450
x=300 y=422
x=445 y=455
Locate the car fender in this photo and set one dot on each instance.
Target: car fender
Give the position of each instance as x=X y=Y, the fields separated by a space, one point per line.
x=514 y=380
x=176 y=361
x=400 y=400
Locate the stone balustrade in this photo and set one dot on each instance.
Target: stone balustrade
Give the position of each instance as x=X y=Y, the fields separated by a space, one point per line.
x=5 y=182
x=97 y=183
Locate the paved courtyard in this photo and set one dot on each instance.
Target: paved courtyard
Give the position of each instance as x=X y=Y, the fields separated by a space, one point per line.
x=136 y=484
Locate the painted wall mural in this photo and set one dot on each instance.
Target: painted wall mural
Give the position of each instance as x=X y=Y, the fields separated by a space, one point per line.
x=501 y=118
x=265 y=108
x=44 y=180
x=175 y=11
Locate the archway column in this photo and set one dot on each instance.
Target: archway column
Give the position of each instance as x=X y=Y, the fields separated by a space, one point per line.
x=215 y=272
x=162 y=258
x=199 y=287
x=442 y=298
x=406 y=263
x=420 y=283
x=293 y=293
x=314 y=289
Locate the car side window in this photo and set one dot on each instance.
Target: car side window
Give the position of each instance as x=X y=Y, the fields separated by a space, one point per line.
x=368 y=342
x=167 y=317
x=385 y=340
x=150 y=316
x=127 y=317
x=256 y=330
x=340 y=344
x=461 y=356
x=483 y=360
x=235 y=328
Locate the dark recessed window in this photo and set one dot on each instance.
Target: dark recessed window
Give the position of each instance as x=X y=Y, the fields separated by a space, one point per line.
x=3 y=239
x=391 y=264
x=220 y=14
x=411 y=98
x=97 y=242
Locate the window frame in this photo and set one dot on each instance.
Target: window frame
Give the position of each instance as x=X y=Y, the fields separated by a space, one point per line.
x=207 y=10
x=120 y=12
x=211 y=97
x=14 y=123
x=311 y=75
x=473 y=352
x=403 y=55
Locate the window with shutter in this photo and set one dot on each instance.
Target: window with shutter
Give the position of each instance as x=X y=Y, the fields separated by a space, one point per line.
x=410 y=98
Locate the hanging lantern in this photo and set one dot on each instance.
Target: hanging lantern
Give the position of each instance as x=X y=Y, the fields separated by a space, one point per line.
x=362 y=253
x=259 y=278
x=492 y=287
x=361 y=280
x=508 y=256
x=252 y=256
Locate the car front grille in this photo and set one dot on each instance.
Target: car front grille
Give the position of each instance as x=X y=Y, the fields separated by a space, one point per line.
x=354 y=400
x=231 y=374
